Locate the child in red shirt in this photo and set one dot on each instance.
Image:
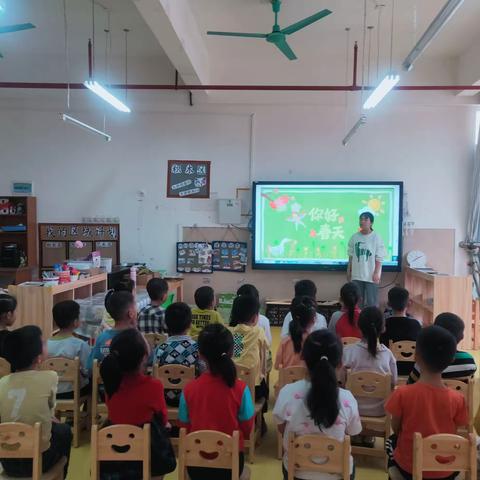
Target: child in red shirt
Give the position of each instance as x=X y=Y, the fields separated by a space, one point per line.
x=217 y=400
x=134 y=398
x=427 y=407
x=347 y=324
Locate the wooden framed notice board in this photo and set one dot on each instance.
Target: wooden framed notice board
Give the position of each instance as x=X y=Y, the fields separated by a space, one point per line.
x=57 y=242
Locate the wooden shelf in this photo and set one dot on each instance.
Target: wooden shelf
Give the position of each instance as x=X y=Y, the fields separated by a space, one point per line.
x=35 y=303
x=27 y=239
x=432 y=294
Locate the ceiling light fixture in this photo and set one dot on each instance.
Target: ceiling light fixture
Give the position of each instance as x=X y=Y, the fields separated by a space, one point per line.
x=438 y=23
x=390 y=80
x=91 y=83
x=104 y=94
x=68 y=119
x=385 y=86
x=361 y=121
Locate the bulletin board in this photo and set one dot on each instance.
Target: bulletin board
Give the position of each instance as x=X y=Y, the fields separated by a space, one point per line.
x=188 y=179
x=229 y=256
x=57 y=241
x=194 y=257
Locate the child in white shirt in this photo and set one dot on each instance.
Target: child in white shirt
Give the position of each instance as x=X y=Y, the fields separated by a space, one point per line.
x=304 y=288
x=371 y=356
x=317 y=406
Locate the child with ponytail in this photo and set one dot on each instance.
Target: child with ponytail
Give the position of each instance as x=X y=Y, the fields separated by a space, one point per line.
x=134 y=398
x=317 y=405
x=289 y=353
x=369 y=355
x=347 y=324
x=217 y=400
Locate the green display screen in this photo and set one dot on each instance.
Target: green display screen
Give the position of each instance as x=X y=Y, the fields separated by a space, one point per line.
x=308 y=225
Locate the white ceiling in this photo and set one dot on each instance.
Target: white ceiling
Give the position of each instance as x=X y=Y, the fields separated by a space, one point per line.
x=321 y=47
x=412 y=17
x=48 y=37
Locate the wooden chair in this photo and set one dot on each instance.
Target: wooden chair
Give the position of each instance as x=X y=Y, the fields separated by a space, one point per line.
x=466 y=389
x=98 y=407
x=248 y=376
x=317 y=453
x=403 y=351
x=155 y=339
x=286 y=376
x=19 y=440
x=124 y=443
x=349 y=340
x=174 y=377
x=378 y=386
x=444 y=453
x=209 y=449
x=68 y=370
x=4 y=367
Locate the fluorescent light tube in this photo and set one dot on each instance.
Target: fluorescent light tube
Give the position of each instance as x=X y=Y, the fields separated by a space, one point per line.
x=78 y=123
x=381 y=91
x=103 y=93
x=361 y=121
x=438 y=23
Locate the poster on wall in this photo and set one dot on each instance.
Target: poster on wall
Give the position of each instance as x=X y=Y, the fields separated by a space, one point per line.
x=188 y=179
x=229 y=256
x=194 y=257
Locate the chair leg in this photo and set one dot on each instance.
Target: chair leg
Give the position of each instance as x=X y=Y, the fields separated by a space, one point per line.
x=76 y=426
x=279 y=445
x=251 y=450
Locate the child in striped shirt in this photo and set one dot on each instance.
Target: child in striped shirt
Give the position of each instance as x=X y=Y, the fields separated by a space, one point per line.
x=463 y=366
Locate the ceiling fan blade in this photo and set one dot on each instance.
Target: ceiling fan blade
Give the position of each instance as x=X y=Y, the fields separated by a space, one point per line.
x=239 y=34
x=295 y=27
x=16 y=28
x=284 y=47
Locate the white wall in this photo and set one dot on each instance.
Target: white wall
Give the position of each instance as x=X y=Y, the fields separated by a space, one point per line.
x=76 y=174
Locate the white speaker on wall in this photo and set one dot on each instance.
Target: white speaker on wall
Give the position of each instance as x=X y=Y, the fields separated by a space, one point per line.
x=229 y=211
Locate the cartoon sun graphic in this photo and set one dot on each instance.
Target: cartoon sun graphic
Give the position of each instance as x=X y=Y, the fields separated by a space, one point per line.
x=375 y=204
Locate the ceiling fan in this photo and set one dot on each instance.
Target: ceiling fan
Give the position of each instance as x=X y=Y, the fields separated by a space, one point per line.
x=15 y=28
x=278 y=35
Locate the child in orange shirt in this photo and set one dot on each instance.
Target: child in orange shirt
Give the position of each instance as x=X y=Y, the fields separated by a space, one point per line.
x=428 y=406
x=289 y=353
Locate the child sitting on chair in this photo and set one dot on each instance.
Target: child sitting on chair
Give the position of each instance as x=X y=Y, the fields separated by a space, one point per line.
x=369 y=355
x=217 y=400
x=250 y=343
x=289 y=353
x=463 y=365
x=428 y=407
x=304 y=288
x=179 y=348
x=205 y=313
x=28 y=396
x=151 y=319
x=346 y=324
x=317 y=406
x=64 y=344
x=133 y=398
x=123 y=309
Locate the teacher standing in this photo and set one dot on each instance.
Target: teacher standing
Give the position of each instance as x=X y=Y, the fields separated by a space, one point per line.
x=365 y=256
